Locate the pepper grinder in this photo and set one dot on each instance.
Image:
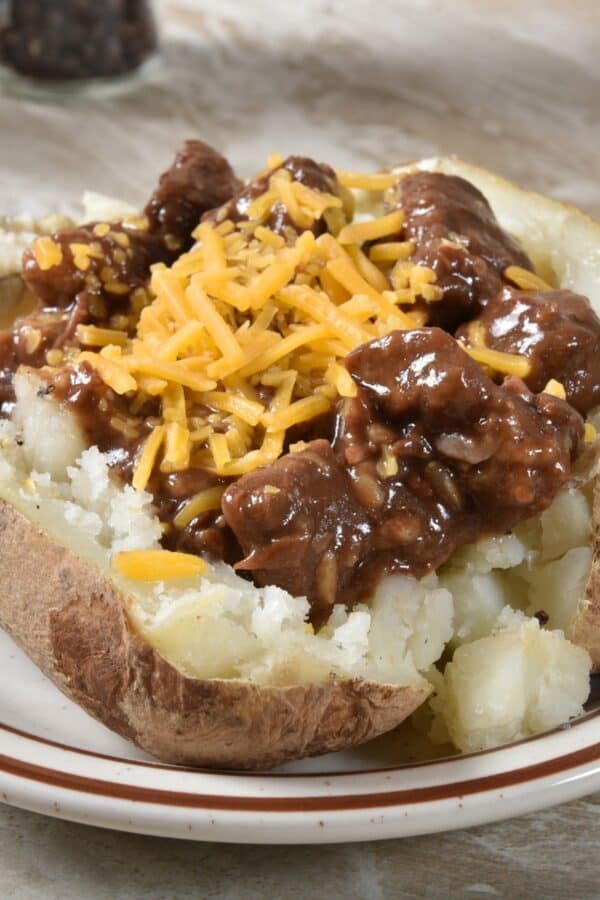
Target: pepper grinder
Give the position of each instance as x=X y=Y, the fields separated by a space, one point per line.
x=68 y=45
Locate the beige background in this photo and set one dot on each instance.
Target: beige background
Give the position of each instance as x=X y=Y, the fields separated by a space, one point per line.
x=512 y=85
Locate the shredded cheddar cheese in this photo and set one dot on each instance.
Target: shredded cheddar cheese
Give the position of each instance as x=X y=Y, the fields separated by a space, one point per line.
x=243 y=337
x=92 y=336
x=555 y=389
x=526 y=280
x=114 y=375
x=372 y=229
x=147 y=458
x=47 y=253
x=378 y=181
x=391 y=251
x=157 y=565
x=506 y=363
x=200 y=503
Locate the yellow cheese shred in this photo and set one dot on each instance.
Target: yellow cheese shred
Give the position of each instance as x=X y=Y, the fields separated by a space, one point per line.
x=114 y=375
x=214 y=322
x=301 y=411
x=391 y=251
x=555 y=389
x=177 y=447
x=157 y=565
x=200 y=503
x=220 y=450
x=506 y=363
x=341 y=379
x=372 y=229
x=378 y=181
x=145 y=463
x=526 y=280
x=47 y=253
x=92 y=336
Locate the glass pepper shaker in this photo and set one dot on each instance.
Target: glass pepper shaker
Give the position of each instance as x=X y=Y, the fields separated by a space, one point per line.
x=75 y=41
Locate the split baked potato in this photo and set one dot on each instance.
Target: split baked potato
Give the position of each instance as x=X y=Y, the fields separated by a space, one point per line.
x=209 y=670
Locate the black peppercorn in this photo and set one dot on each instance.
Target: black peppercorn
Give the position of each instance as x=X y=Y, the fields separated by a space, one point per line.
x=75 y=39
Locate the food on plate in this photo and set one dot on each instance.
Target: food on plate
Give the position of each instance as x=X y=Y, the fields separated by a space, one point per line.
x=297 y=456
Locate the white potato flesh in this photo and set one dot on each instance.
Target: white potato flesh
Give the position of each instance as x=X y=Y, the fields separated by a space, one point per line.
x=516 y=682
x=52 y=439
x=478 y=601
x=503 y=552
x=567 y=523
x=195 y=640
x=558 y=587
x=102 y=208
x=410 y=617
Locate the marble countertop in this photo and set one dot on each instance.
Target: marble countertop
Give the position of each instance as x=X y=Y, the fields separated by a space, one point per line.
x=547 y=855
x=513 y=86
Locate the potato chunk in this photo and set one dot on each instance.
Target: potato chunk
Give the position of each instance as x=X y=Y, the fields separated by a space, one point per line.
x=516 y=682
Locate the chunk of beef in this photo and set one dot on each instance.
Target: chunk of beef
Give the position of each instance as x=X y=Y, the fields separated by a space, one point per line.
x=423 y=400
x=457 y=235
x=418 y=458
x=102 y=267
x=300 y=525
x=117 y=264
x=557 y=330
x=317 y=176
x=200 y=179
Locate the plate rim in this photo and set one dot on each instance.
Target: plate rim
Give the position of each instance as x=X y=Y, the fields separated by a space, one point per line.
x=311 y=803
x=572 y=779
x=584 y=719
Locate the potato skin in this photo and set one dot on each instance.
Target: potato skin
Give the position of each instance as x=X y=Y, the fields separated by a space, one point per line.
x=71 y=621
x=585 y=627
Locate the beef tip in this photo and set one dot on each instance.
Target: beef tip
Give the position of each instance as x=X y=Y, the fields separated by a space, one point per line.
x=30 y=339
x=101 y=269
x=457 y=235
x=413 y=473
x=447 y=206
x=112 y=262
x=207 y=533
x=428 y=422
x=108 y=266
x=557 y=330
x=200 y=179
x=317 y=176
x=299 y=525
x=42 y=330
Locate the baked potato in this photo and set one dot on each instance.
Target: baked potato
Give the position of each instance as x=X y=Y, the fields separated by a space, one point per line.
x=201 y=667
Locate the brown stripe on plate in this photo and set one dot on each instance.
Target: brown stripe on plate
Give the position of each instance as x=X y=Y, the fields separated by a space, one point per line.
x=169 y=767
x=81 y=783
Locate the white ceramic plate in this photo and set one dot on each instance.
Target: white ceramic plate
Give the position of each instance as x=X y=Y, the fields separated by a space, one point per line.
x=55 y=759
